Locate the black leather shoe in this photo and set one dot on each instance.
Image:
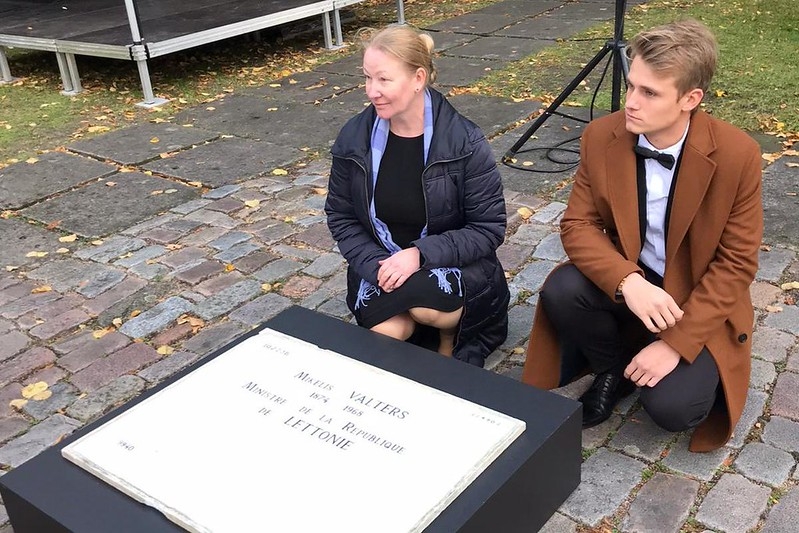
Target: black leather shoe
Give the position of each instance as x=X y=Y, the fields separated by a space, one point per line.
x=602 y=396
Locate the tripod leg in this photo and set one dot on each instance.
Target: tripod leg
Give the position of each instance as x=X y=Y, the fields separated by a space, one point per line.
x=605 y=50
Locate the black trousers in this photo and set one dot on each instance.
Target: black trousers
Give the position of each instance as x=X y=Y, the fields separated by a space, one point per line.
x=597 y=332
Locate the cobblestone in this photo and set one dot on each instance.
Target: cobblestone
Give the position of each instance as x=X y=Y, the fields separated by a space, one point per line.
x=755 y=402
x=219 y=283
x=772 y=344
x=231 y=238
x=20 y=365
x=11 y=427
x=151 y=223
x=303 y=254
x=213 y=218
x=162 y=235
x=60 y=324
x=225 y=205
x=607 y=479
x=271 y=231
x=261 y=309
x=764 y=294
x=533 y=275
x=212 y=338
x=149 y=271
x=26 y=304
x=110 y=249
x=173 y=334
x=787 y=320
x=130 y=285
x=698 y=465
x=520 y=320
x=782 y=433
x=167 y=366
x=157 y=318
x=325 y=265
x=317 y=236
x=228 y=300
x=300 y=286
x=785 y=401
x=236 y=252
x=733 y=505
x=199 y=272
x=104 y=370
x=549 y=213
x=641 y=437
x=763 y=375
x=550 y=248
x=529 y=235
x=765 y=464
x=221 y=192
x=15 y=292
x=12 y=343
x=63 y=394
x=189 y=207
x=773 y=263
x=252 y=262
x=784 y=516
x=280 y=269
x=40 y=437
x=661 y=505
x=103 y=399
x=202 y=236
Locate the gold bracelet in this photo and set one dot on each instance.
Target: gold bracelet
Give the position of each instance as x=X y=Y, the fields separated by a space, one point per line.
x=619 y=295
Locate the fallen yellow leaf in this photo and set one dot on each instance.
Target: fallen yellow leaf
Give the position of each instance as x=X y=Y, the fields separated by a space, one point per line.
x=68 y=238
x=11 y=268
x=252 y=203
x=62 y=251
x=42 y=395
x=165 y=350
x=110 y=184
x=321 y=191
x=792 y=165
x=266 y=287
x=98 y=242
x=229 y=268
x=98 y=129
x=31 y=160
x=279 y=172
x=155 y=140
x=196 y=183
x=36 y=254
x=100 y=333
x=135 y=313
x=18 y=404
x=790 y=285
x=33 y=389
x=156 y=193
x=524 y=212
x=41 y=288
x=773 y=308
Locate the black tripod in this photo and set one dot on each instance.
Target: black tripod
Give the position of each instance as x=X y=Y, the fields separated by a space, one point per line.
x=615 y=47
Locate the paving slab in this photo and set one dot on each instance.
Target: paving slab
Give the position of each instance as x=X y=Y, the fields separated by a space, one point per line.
x=475 y=23
x=661 y=505
x=733 y=505
x=518 y=8
x=782 y=433
x=94 y=210
x=492 y=114
x=351 y=65
x=307 y=87
x=20 y=238
x=22 y=184
x=779 y=208
x=464 y=71
x=444 y=40
x=137 y=144
x=276 y=122
x=225 y=161
x=498 y=48
x=607 y=479
x=548 y=27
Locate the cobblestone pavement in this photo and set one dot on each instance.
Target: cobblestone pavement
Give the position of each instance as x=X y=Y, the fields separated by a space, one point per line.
x=168 y=272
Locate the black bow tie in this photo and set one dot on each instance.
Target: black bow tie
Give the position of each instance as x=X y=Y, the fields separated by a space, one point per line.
x=667 y=160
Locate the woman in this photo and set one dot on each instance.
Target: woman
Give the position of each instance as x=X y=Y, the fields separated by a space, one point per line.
x=415 y=204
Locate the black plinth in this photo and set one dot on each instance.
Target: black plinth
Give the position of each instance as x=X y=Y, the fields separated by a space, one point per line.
x=517 y=493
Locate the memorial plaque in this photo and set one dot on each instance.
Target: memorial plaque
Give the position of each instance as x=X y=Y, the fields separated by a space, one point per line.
x=277 y=434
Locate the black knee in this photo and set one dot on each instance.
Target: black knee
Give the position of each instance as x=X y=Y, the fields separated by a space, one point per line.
x=675 y=412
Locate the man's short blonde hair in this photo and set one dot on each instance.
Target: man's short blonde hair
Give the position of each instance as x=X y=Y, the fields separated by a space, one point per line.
x=685 y=49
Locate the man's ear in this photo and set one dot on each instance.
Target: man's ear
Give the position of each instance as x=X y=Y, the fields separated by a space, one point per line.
x=692 y=99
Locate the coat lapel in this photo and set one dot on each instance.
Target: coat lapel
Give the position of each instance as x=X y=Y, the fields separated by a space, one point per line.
x=695 y=173
x=621 y=174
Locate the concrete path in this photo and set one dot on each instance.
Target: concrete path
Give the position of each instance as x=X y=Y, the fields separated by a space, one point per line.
x=192 y=231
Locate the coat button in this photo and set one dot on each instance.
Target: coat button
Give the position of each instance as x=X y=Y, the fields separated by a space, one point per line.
x=742 y=338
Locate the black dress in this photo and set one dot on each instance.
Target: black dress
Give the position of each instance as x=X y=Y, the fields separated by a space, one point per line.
x=400 y=204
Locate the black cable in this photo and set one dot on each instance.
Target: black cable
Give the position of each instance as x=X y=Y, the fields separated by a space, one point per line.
x=550 y=150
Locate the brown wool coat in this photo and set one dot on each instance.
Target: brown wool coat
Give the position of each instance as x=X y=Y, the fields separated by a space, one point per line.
x=714 y=235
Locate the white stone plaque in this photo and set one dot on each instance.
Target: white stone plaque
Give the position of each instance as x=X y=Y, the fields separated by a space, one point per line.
x=278 y=435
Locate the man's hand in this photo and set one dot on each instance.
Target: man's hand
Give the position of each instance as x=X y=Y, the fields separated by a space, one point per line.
x=652 y=364
x=396 y=270
x=652 y=305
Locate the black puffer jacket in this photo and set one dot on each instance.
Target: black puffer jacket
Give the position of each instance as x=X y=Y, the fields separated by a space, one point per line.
x=465 y=219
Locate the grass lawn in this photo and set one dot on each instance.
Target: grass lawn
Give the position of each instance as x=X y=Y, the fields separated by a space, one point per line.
x=755 y=88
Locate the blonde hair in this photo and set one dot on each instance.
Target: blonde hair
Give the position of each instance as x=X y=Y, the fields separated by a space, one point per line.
x=685 y=49
x=409 y=45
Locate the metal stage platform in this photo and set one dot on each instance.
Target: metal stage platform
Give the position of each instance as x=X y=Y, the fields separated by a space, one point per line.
x=138 y=30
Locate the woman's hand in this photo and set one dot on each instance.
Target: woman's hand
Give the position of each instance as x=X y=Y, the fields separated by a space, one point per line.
x=396 y=270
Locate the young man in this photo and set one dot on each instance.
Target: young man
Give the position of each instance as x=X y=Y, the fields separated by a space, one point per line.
x=662 y=229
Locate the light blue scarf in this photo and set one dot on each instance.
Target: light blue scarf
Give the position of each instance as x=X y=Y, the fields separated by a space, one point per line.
x=378 y=147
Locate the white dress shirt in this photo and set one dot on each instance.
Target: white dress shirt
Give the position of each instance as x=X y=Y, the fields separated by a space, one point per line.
x=658 y=185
